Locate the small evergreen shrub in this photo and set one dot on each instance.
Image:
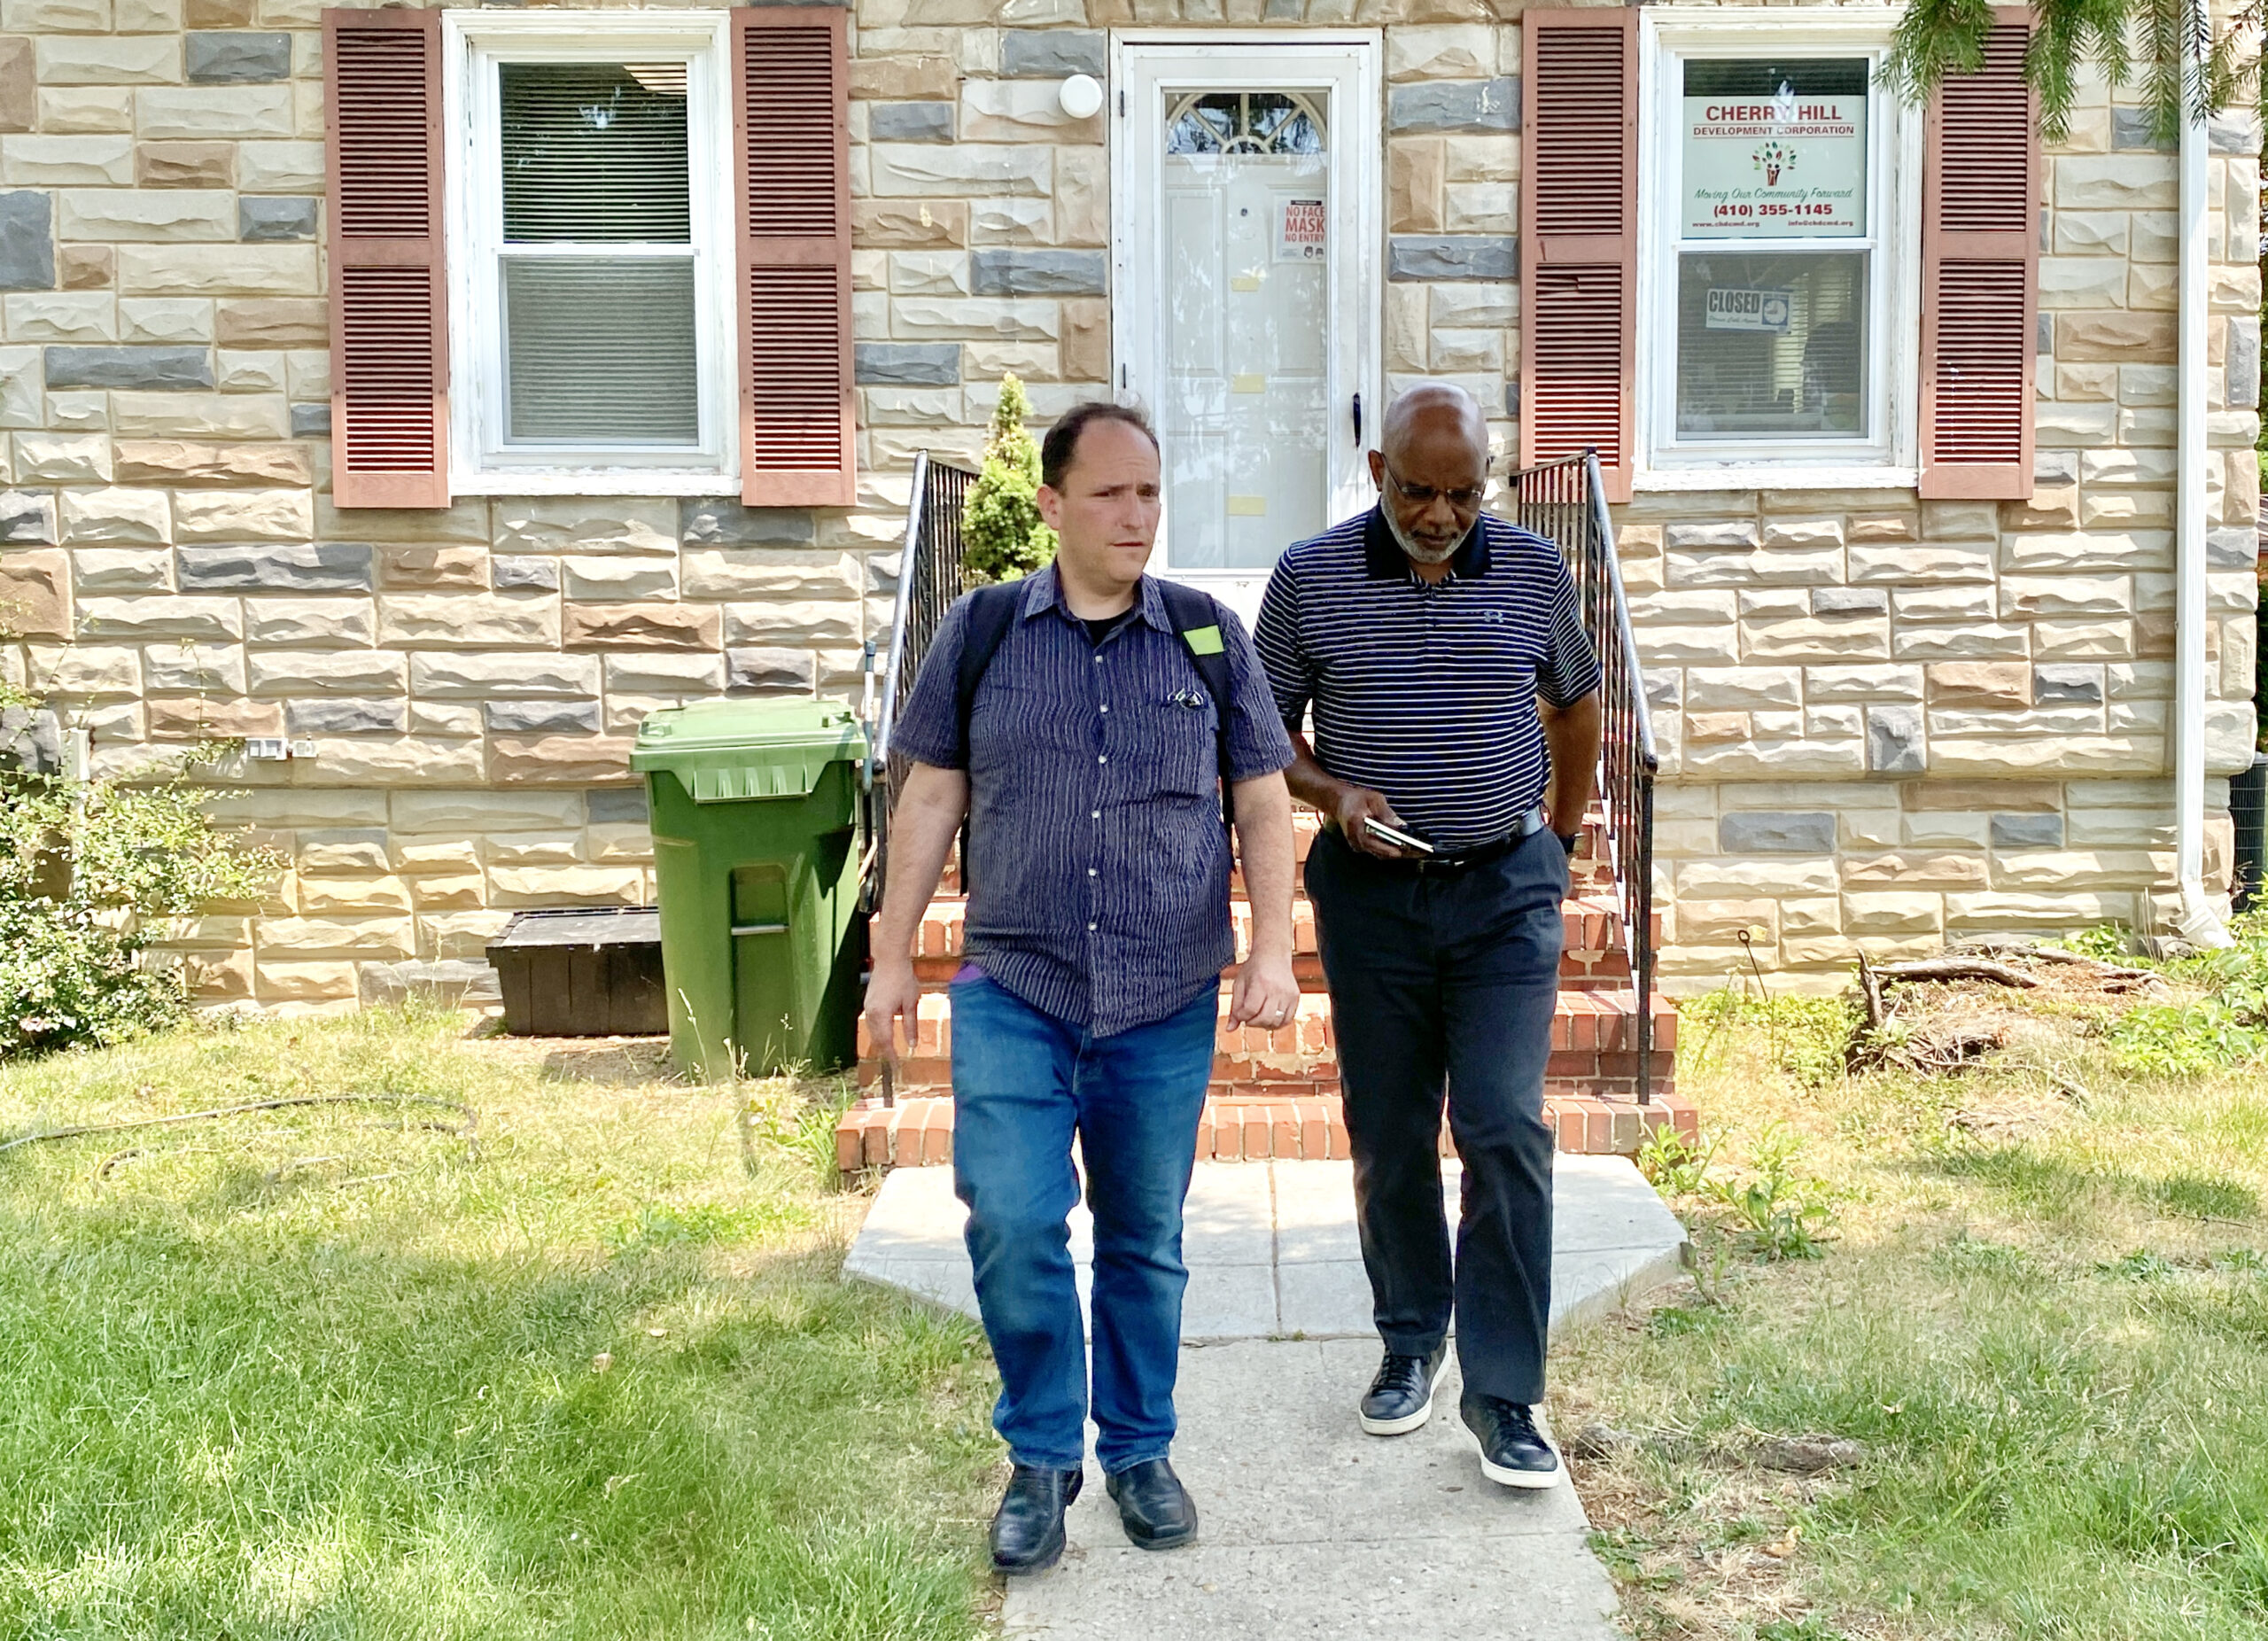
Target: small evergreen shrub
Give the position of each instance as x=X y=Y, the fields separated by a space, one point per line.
x=1002 y=535
x=90 y=871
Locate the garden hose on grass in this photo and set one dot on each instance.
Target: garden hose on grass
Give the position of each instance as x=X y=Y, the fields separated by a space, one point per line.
x=469 y=1130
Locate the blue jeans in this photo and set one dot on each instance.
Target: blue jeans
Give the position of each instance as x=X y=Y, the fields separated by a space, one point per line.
x=1024 y=1084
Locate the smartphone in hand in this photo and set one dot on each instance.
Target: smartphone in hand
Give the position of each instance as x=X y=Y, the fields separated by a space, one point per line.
x=1395 y=835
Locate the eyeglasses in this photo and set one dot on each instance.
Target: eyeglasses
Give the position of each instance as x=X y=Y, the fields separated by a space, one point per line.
x=1425 y=495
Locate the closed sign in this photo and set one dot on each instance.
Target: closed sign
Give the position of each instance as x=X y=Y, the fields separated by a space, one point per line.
x=1737 y=307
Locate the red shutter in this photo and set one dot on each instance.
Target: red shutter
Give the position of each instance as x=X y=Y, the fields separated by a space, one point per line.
x=1980 y=254
x=791 y=160
x=1579 y=242
x=389 y=297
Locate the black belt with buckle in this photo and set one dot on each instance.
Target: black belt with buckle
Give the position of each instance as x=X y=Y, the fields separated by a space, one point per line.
x=1451 y=862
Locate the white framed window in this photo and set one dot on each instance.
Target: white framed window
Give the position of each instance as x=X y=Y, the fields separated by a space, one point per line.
x=590 y=253
x=1779 y=218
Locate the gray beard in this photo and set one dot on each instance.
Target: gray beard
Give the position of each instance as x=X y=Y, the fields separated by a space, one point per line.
x=1421 y=553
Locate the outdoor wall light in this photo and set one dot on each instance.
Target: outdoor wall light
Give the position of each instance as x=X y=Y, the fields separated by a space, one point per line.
x=1081 y=97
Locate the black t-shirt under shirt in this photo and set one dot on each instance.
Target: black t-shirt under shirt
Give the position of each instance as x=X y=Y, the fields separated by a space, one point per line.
x=1097 y=631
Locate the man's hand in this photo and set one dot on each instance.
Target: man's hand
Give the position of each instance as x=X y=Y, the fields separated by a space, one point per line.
x=1265 y=993
x=930 y=805
x=892 y=992
x=1341 y=802
x=1358 y=804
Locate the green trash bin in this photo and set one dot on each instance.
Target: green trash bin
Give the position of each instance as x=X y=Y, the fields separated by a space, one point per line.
x=754 y=817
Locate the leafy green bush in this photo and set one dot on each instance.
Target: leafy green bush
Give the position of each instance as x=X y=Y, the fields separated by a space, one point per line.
x=1002 y=535
x=2227 y=1027
x=2169 y=1040
x=2110 y=942
x=89 y=870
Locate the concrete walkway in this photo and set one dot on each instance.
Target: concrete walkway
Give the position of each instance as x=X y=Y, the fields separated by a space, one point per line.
x=1310 y=1528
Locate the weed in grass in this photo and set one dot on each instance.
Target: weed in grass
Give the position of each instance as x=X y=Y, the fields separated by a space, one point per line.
x=1803 y=1036
x=1811 y=1627
x=2207 y=1196
x=1673 y=1164
x=2240 y=1261
x=657 y=1225
x=2142 y=1265
x=1782 y=1217
x=1966 y=1254
x=1674 y=1321
x=2039 y=1183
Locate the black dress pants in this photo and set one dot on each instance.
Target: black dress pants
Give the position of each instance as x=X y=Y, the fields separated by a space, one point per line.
x=1443 y=984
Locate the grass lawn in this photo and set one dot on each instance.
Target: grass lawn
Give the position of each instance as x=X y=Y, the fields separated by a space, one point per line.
x=2042 y=1310
x=317 y=1373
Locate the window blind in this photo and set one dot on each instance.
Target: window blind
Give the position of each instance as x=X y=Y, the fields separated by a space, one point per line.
x=595 y=152
x=602 y=351
x=599 y=349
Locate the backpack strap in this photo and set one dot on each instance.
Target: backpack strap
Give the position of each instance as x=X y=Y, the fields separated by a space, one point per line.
x=1197 y=618
x=991 y=612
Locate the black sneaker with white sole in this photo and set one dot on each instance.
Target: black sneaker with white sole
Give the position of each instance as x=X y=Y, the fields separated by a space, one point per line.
x=1513 y=1452
x=1401 y=1398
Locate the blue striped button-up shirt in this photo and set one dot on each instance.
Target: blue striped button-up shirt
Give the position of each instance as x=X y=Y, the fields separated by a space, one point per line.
x=1100 y=868
x=1423 y=691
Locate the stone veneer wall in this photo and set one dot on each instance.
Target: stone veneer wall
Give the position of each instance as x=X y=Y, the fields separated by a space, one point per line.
x=1882 y=720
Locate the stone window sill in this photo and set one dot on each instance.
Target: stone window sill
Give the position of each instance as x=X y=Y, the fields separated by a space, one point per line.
x=616 y=482
x=1771 y=476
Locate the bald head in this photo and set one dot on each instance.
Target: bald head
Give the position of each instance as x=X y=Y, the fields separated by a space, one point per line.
x=1432 y=469
x=1435 y=411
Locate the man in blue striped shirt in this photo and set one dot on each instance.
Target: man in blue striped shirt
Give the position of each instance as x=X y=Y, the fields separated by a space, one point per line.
x=1455 y=700
x=1088 y=758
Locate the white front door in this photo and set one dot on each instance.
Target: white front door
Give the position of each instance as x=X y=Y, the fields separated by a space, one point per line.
x=1246 y=304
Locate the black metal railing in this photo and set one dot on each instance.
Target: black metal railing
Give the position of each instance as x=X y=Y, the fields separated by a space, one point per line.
x=929 y=581
x=1567 y=501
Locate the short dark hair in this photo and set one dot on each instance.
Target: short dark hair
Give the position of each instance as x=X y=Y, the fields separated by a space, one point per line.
x=1062 y=440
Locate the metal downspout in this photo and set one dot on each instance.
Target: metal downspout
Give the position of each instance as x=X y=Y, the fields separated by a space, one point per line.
x=2196 y=919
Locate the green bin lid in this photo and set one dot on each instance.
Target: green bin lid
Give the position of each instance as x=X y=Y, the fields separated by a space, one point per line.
x=724 y=750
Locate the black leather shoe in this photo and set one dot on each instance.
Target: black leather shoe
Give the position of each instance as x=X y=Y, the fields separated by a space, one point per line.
x=1028 y=1528
x=1512 y=1452
x=1401 y=1398
x=1156 y=1508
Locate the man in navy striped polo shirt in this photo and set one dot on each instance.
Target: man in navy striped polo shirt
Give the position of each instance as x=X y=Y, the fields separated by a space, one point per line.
x=1088 y=760
x=1456 y=699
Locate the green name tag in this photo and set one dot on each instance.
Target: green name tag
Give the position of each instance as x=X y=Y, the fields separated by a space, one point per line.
x=1203 y=641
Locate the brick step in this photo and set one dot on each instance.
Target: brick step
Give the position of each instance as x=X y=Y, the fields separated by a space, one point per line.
x=1593 y=1022
x=1591 y=931
x=918 y=1131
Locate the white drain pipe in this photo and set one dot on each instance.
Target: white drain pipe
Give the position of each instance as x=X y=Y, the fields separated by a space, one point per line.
x=2195 y=919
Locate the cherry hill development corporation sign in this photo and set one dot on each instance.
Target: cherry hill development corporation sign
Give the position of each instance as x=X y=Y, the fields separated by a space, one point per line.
x=1788 y=167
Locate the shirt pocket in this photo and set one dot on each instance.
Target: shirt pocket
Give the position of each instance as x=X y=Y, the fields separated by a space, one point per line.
x=1178 y=741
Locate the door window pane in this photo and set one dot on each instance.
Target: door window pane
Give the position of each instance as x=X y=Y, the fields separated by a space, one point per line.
x=1245 y=416
x=1770 y=346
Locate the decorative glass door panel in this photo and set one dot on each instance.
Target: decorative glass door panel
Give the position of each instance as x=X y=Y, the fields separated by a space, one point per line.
x=1245 y=401
x=1245 y=315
